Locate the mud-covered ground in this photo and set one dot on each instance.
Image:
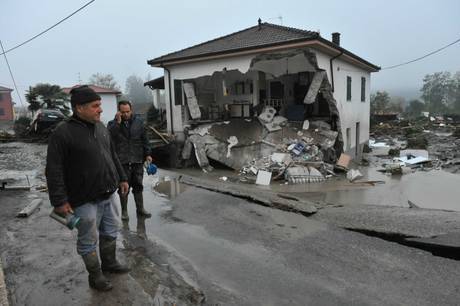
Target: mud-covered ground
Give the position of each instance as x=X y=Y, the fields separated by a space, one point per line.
x=39 y=256
x=203 y=247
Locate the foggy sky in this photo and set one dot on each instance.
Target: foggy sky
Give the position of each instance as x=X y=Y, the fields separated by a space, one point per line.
x=118 y=37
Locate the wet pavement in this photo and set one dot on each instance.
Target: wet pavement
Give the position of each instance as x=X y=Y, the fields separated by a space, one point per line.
x=202 y=244
x=244 y=254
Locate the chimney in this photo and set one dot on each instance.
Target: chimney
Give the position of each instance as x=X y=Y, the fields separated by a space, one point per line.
x=260 y=23
x=336 y=38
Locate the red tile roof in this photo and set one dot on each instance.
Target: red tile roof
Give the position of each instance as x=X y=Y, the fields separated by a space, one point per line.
x=97 y=89
x=5 y=89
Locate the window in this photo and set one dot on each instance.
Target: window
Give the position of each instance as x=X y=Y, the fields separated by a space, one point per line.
x=2 y=112
x=177 y=92
x=1 y=96
x=348 y=88
x=363 y=89
x=348 y=134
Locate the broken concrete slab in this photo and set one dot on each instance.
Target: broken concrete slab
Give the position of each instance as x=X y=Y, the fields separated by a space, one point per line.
x=266 y=198
x=192 y=102
x=248 y=132
x=315 y=85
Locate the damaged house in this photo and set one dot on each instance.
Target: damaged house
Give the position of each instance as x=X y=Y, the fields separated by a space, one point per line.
x=247 y=95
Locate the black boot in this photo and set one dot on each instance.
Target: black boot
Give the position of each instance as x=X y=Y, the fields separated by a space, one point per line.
x=96 y=279
x=107 y=248
x=124 y=207
x=138 y=198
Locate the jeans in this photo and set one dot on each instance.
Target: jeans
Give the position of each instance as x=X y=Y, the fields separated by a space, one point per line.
x=98 y=218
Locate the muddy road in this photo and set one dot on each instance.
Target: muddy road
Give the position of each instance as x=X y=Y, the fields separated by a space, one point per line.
x=203 y=247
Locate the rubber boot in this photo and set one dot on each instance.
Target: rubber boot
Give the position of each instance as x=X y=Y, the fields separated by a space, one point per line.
x=96 y=279
x=138 y=198
x=109 y=262
x=124 y=207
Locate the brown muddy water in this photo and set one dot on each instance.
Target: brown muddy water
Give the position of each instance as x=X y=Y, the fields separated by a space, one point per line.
x=430 y=189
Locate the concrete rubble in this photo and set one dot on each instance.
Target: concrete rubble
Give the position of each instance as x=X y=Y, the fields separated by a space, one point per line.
x=266 y=146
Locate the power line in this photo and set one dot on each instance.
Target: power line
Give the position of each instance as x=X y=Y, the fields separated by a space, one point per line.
x=11 y=73
x=422 y=57
x=44 y=31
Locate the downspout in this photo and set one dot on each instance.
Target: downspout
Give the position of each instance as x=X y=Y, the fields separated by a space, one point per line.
x=170 y=99
x=332 y=70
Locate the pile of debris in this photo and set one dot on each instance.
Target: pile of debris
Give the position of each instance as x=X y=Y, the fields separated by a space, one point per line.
x=424 y=143
x=267 y=148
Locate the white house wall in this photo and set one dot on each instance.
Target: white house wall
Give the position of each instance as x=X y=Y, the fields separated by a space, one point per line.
x=109 y=107
x=352 y=111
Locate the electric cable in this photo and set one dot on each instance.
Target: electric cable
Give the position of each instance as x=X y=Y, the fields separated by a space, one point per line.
x=422 y=57
x=44 y=31
x=11 y=74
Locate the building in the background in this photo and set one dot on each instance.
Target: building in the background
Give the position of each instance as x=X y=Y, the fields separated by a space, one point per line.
x=6 y=104
x=301 y=74
x=158 y=88
x=109 y=99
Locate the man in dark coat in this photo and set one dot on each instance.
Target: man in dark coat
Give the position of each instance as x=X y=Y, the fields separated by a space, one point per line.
x=132 y=146
x=83 y=172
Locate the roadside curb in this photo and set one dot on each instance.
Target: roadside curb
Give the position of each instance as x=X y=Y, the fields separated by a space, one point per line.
x=3 y=292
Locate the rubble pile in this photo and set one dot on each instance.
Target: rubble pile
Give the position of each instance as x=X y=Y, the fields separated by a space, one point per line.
x=267 y=148
x=437 y=136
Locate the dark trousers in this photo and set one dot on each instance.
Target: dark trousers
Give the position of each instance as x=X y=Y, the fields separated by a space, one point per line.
x=135 y=174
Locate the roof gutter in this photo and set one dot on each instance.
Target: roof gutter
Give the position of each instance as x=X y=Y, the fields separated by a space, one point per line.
x=170 y=99
x=332 y=70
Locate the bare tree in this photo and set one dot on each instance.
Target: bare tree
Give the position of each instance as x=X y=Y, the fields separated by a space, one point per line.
x=140 y=95
x=104 y=80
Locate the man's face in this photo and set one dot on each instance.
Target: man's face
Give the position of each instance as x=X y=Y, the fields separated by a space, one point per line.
x=125 y=111
x=90 y=112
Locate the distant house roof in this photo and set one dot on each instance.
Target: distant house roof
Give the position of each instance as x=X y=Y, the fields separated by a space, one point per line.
x=158 y=83
x=262 y=37
x=5 y=89
x=97 y=89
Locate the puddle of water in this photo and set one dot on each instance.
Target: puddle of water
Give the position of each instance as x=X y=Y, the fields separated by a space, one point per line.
x=433 y=190
x=169 y=187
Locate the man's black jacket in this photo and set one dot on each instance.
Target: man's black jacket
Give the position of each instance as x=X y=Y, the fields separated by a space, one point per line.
x=130 y=140
x=81 y=165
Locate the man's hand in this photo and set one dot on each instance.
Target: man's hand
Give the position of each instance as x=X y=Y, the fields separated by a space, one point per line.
x=64 y=209
x=124 y=187
x=118 y=117
x=148 y=158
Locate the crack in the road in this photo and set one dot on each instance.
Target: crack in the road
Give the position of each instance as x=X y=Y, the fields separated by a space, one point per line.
x=445 y=251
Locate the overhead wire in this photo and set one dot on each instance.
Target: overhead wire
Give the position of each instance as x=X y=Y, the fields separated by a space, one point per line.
x=422 y=57
x=11 y=74
x=46 y=30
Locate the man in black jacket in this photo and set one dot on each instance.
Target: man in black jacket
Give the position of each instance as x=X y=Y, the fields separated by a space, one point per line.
x=82 y=173
x=132 y=146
